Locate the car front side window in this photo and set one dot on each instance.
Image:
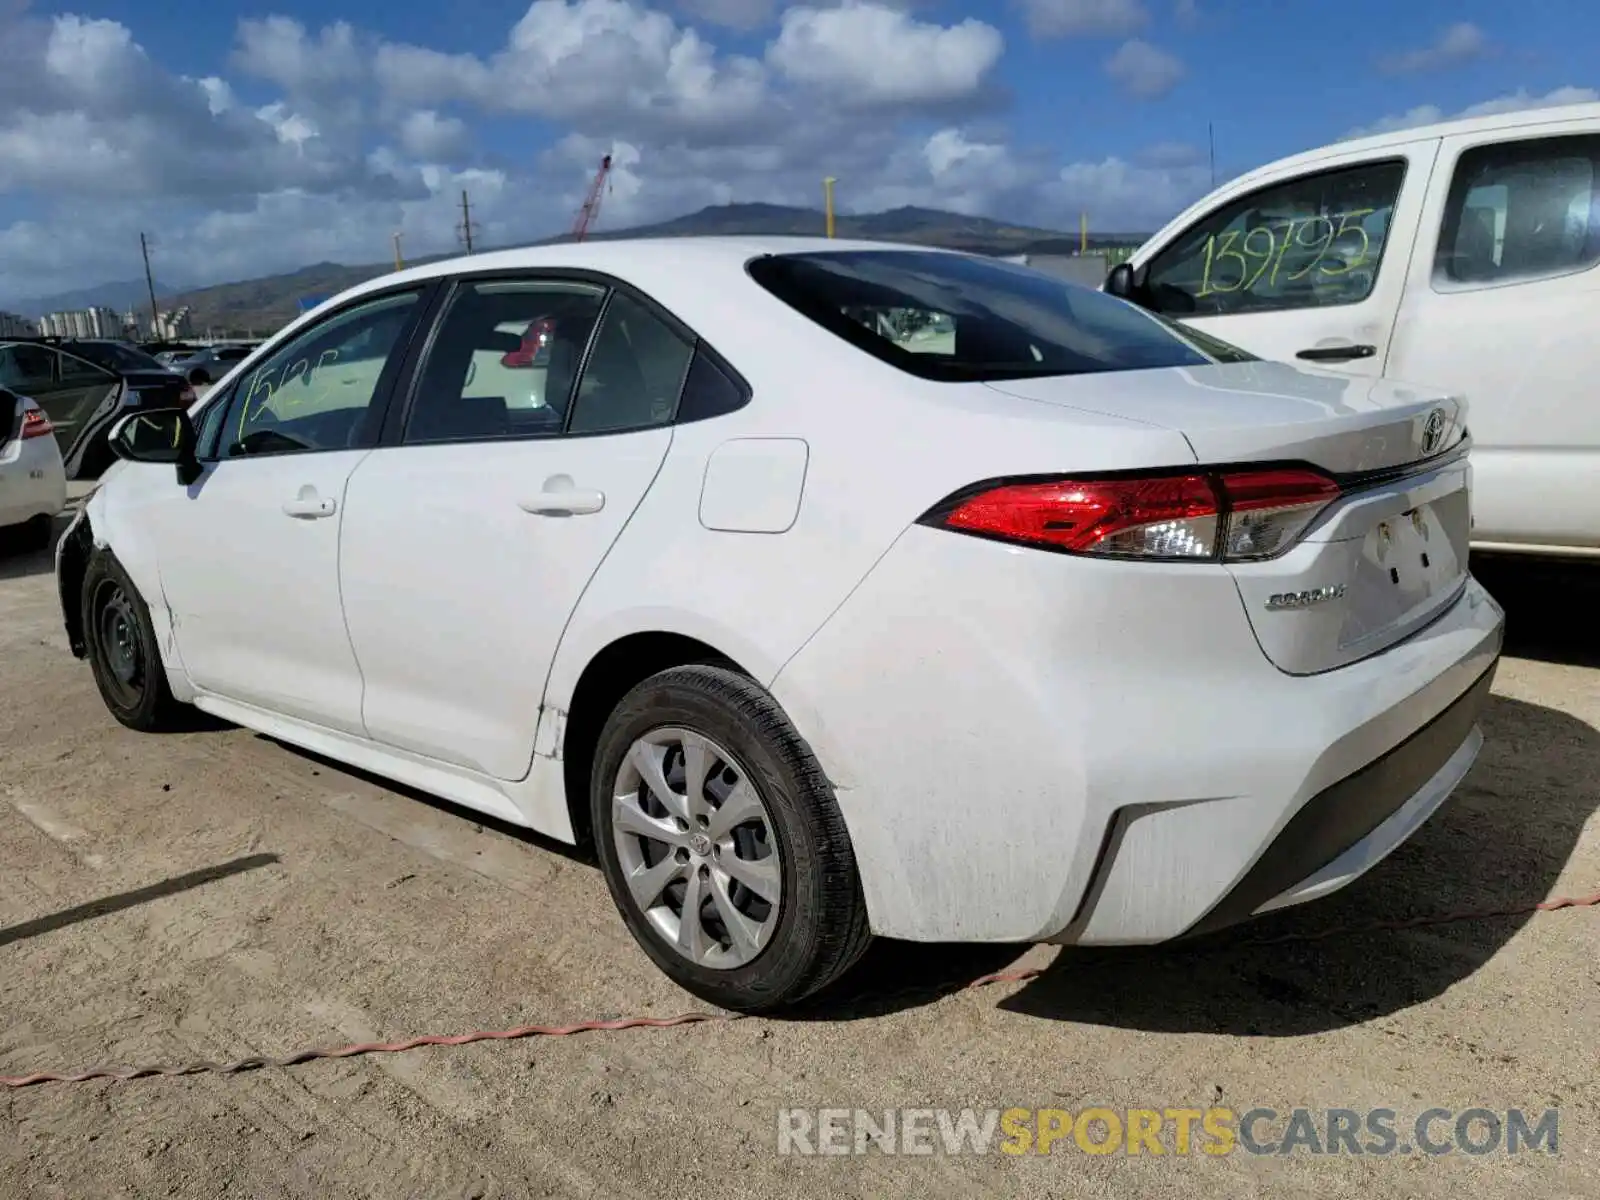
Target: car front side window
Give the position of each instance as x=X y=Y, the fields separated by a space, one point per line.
x=1311 y=242
x=318 y=391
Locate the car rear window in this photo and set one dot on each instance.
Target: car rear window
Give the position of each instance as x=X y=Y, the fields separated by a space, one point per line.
x=961 y=317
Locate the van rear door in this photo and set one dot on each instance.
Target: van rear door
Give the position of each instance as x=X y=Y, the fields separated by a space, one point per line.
x=1502 y=307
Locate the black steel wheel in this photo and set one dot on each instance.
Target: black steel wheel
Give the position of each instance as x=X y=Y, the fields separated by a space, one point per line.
x=123 y=651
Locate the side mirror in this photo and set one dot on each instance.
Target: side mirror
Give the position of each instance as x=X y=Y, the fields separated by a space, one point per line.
x=158 y=435
x=1121 y=283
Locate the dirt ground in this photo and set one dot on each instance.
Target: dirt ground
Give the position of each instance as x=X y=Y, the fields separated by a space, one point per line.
x=255 y=900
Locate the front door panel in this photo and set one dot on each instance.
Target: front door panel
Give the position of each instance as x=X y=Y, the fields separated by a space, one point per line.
x=1309 y=269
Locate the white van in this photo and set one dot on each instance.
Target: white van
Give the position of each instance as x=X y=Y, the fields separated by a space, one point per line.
x=1461 y=256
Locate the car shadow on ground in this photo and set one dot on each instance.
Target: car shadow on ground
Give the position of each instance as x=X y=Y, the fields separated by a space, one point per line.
x=1552 y=606
x=1500 y=842
x=469 y=816
x=17 y=561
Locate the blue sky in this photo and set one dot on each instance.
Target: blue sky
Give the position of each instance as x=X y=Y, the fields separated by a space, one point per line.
x=259 y=135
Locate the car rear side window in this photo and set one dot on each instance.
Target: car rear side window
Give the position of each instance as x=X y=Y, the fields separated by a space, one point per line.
x=26 y=368
x=959 y=317
x=1521 y=210
x=81 y=372
x=634 y=374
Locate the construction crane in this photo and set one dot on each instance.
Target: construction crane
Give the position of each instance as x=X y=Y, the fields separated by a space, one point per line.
x=591 y=202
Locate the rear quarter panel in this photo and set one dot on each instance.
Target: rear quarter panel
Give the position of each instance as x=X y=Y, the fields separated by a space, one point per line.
x=882 y=448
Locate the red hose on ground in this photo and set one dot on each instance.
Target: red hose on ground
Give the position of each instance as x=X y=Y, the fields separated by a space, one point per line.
x=695 y=1018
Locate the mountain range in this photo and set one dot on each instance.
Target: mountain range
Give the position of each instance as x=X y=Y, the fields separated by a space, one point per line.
x=122 y=295
x=256 y=307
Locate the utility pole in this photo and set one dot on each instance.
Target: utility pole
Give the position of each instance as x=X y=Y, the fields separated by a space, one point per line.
x=150 y=283
x=827 y=201
x=399 y=263
x=465 y=228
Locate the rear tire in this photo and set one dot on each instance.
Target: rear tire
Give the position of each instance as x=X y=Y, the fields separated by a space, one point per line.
x=779 y=912
x=123 y=651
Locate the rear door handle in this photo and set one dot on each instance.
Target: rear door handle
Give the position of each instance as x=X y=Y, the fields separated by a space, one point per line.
x=567 y=502
x=310 y=507
x=1336 y=353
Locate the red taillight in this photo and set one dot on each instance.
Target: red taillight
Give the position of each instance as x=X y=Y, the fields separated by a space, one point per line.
x=1269 y=510
x=36 y=424
x=1232 y=515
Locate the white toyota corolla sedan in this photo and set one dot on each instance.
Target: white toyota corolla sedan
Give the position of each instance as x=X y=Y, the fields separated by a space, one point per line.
x=830 y=589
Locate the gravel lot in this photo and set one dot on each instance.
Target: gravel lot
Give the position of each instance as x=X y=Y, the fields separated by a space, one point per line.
x=259 y=900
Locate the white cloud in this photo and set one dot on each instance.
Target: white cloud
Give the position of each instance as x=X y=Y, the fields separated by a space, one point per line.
x=1083 y=18
x=315 y=144
x=1122 y=197
x=878 y=55
x=1518 y=101
x=426 y=135
x=597 y=64
x=1143 y=70
x=85 y=111
x=1456 y=44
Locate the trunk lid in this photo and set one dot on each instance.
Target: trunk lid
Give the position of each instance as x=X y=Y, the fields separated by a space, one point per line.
x=1261 y=411
x=1378 y=563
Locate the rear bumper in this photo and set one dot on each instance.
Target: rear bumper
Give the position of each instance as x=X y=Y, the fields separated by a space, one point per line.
x=1100 y=754
x=1348 y=828
x=32 y=483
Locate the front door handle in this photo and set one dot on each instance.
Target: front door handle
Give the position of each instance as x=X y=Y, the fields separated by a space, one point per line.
x=308 y=506
x=567 y=502
x=1336 y=353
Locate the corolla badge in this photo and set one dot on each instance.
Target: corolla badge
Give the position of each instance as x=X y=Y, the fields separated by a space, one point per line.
x=1279 y=601
x=1433 y=431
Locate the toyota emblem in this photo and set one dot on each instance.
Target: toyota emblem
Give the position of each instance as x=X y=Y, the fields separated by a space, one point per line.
x=1433 y=431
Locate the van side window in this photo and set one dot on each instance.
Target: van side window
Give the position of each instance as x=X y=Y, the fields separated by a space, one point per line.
x=1517 y=210
x=1310 y=242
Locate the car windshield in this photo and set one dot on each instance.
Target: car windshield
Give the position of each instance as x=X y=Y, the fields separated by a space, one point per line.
x=961 y=317
x=113 y=356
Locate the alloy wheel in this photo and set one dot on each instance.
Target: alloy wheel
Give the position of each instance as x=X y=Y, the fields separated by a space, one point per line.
x=696 y=847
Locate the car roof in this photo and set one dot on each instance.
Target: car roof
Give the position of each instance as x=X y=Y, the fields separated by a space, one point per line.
x=627 y=256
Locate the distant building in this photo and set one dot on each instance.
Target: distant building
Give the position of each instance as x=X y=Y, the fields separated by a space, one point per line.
x=95 y=322
x=173 y=325
x=12 y=325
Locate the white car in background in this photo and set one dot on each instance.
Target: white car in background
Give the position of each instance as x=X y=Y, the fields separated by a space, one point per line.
x=1059 y=624
x=33 y=483
x=1465 y=256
